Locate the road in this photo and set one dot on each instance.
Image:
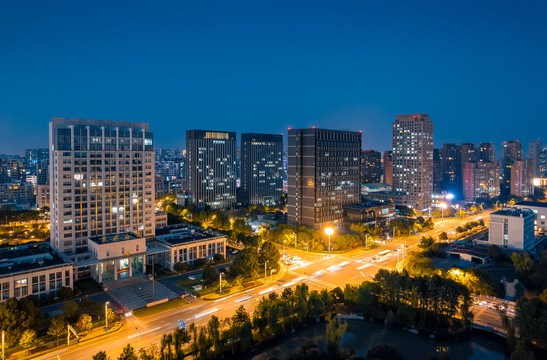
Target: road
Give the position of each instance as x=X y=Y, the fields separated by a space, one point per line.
x=317 y=271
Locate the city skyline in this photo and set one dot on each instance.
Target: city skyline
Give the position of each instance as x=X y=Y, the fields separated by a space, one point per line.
x=351 y=68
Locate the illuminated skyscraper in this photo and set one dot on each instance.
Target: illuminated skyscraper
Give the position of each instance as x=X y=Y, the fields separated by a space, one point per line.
x=413 y=158
x=211 y=168
x=102 y=181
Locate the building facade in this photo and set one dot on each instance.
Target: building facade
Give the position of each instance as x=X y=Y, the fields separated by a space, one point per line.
x=487 y=152
x=42 y=196
x=323 y=175
x=19 y=194
x=371 y=166
x=533 y=154
x=387 y=164
x=211 y=168
x=512 y=151
x=413 y=158
x=261 y=168
x=102 y=181
x=452 y=169
x=481 y=179
x=512 y=229
x=521 y=178
x=540 y=211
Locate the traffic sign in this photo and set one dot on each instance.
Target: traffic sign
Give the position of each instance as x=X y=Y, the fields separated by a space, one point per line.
x=182 y=325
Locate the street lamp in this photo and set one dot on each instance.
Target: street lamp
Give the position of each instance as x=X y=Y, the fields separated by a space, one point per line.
x=106 y=314
x=329 y=231
x=394 y=232
x=295 y=241
x=366 y=242
x=220 y=284
x=442 y=206
x=265 y=275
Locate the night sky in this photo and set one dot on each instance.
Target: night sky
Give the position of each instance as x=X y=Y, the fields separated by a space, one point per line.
x=479 y=69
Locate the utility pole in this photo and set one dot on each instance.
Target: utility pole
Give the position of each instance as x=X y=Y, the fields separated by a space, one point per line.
x=366 y=242
x=3 y=337
x=220 y=284
x=153 y=273
x=294 y=241
x=265 y=274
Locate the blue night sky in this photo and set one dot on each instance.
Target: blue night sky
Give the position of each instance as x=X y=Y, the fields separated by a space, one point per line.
x=478 y=68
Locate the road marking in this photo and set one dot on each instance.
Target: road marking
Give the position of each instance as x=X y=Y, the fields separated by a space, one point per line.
x=226 y=298
x=243 y=299
x=364 y=266
x=268 y=290
x=144 y=332
x=205 y=313
x=344 y=263
x=318 y=273
x=58 y=352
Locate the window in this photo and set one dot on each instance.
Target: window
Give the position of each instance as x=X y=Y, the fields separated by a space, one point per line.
x=107 y=252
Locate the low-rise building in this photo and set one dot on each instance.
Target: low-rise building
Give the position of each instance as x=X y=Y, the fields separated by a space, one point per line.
x=20 y=194
x=368 y=212
x=33 y=269
x=397 y=198
x=512 y=228
x=117 y=256
x=188 y=243
x=540 y=211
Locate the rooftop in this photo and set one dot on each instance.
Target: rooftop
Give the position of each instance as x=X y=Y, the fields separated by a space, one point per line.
x=533 y=203
x=514 y=212
x=111 y=238
x=29 y=257
x=184 y=233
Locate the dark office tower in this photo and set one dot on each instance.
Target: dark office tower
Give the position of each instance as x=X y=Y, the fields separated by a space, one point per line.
x=323 y=174
x=101 y=181
x=452 y=170
x=512 y=151
x=261 y=168
x=437 y=170
x=487 y=152
x=413 y=158
x=211 y=168
x=533 y=154
x=543 y=161
x=388 y=167
x=371 y=166
x=42 y=172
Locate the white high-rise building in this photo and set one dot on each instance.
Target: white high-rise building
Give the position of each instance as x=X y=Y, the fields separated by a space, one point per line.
x=413 y=158
x=102 y=181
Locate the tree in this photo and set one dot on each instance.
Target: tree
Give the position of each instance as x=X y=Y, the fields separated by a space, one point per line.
x=128 y=353
x=28 y=339
x=270 y=253
x=16 y=316
x=111 y=316
x=334 y=331
x=522 y=262
x=65 y=293
x=181 y=267
x=443 y=236
x=383 y=352
x=57 y=328
x=238 y=281
x=494 y=252
x=245 y=263
x=209 y=274
x=70 y=308
x=84 y=322
x=461 y=214
x=101 y=355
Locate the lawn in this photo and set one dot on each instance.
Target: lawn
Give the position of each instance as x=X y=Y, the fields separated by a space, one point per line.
x=172 y=304
x=187 y=283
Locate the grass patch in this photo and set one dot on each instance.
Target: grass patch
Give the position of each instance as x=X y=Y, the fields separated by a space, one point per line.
x=172 y=304
x=187 y=283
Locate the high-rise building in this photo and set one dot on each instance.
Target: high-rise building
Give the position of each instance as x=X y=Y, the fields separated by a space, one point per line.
x=533 y=154
x=261 y=168
x=487 y=152
x=12 y=170
x=211 y=168
x=543 y=161
x=168 y=169
x=387 y=163
x=452 y=169
x=413 y=158
x=323 y=173
x=371 y=166
x=101 y=179
x=521 y=178
x=481 y=179
x=437 y=170
x=512 y=151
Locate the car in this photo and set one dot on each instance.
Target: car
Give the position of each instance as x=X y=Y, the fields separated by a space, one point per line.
x=128 y=313
x=191 y=277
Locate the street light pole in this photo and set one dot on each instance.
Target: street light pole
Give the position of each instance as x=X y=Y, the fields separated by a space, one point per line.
x=106 y=314
x=295 y=238
x=265 y=274
x=220 y=283
x=329 y=231
x=366 y=242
